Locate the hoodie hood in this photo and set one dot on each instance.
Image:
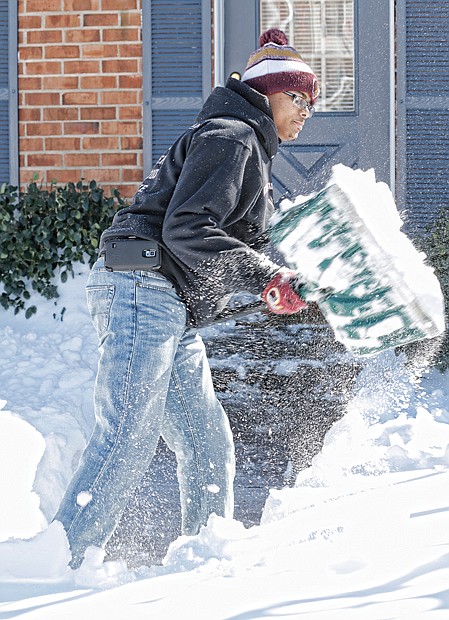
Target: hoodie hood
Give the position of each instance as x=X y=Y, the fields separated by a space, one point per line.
x=238 y=100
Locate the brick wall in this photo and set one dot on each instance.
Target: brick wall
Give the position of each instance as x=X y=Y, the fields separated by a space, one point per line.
x=80 y=92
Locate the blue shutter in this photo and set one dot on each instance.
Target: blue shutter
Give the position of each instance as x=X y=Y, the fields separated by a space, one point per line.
x=4 y=93
x=423 y=112
x=8 y=93
x=177 y=70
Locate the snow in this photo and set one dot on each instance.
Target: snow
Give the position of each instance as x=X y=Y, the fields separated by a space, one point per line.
x=347 y=241
x=363 y=535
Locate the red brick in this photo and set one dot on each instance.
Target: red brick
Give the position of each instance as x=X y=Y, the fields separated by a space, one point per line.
x=122 y=5
x=98 y=82
x=30 y=83
x=43 y=6
x=31 y=144
x=87 y=35
x=66 y=175
x=27 y=175
x=62 y=144
x=81 y=128
x=42 y=99
x=132 y=174
x=80 y=98
x=81 y=66
x=101 y=19
x=81 y=5
x=60 y=82
x=98 y=113
x=131 y=143
x=44 y=160
x=100 y=50
x=62 y=51
x=62 y=21
x=127 y=128
x=28 y=22
x=44 y=36
x=126 y=191
x=61 y=114
x=44 y=129
x=29 y=114
x=100 y=143
x=82 y=159
x=30 y=52
x=130 y=112
x=119 y=159
x=42 y=68
x=102 y=174
x=130 y=50
x=119 y=66
x=122 y=34
x=130 y=18
x=130 y=81
x=119 y=97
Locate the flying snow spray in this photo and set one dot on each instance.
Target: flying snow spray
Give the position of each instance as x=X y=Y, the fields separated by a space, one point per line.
x=372 y=285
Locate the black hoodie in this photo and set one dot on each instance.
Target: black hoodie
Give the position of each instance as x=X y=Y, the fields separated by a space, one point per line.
x=208 y=201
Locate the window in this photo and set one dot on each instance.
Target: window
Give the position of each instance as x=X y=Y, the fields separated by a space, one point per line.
x=323 y=33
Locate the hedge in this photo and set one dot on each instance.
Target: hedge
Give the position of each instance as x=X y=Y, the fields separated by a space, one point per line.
x=43 y=232
x=435 y=244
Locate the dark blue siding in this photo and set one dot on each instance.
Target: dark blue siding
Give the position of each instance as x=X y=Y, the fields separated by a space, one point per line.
x=427 y=116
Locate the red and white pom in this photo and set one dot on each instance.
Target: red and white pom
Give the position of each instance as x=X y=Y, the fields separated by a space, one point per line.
x=273 y=35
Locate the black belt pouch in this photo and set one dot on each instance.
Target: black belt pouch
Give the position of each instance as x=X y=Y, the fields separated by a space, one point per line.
x=130 y=254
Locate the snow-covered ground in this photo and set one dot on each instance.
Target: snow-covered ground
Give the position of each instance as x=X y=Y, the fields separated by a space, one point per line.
x=363 y=535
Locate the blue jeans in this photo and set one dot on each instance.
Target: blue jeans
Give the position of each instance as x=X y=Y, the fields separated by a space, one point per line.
x=153 y=380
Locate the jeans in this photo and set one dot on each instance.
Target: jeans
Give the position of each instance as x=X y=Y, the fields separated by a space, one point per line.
x=153 y=381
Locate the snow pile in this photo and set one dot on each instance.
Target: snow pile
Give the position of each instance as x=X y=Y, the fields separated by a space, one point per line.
x=348 y=503
x=43 y=558
x=362 y=535
x=21 y=449
x=48 y=367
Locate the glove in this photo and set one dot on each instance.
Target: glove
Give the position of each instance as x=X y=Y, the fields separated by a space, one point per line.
x=281 y=297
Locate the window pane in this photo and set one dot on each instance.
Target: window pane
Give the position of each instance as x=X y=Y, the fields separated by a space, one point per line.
x=323 y=33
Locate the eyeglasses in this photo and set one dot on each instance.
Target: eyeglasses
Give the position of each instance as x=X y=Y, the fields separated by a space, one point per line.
x=301 y=103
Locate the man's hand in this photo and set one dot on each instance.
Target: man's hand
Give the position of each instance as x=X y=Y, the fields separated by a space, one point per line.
x=280 y=295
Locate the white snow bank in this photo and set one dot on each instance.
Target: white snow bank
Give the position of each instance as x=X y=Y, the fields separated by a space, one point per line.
x=363 y=534
x=21 y=449
x=42 y=558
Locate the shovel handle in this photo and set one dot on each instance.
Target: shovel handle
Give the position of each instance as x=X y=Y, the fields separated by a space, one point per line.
x=229 y=314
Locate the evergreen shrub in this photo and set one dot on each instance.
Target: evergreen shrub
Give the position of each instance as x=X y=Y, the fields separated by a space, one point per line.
x=435 y=244
x=43 y=232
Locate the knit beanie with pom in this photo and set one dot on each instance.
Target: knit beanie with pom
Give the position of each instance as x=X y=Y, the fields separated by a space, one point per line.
x=276 y=67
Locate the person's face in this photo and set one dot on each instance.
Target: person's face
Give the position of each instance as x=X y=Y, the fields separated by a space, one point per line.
x=288 y=117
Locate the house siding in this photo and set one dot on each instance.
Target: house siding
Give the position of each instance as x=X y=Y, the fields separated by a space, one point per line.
x=80 y=92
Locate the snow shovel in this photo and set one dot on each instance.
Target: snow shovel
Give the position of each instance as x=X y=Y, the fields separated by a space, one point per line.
x=367 y=278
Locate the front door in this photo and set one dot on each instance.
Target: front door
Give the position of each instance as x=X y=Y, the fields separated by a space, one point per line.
x=347 y=44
